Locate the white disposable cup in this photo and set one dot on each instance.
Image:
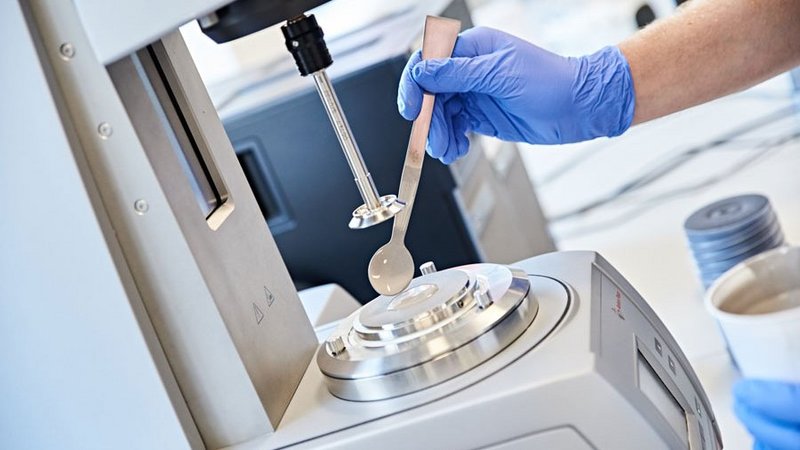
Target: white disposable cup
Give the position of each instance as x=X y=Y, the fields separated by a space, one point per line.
x=757 y=305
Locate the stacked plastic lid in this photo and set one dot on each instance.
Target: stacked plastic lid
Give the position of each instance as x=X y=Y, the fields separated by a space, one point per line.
x=729 y=231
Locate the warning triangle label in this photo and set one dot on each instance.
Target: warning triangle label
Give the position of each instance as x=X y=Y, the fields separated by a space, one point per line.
x=259 y=314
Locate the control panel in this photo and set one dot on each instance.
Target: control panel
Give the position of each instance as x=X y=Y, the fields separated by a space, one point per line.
x=648 y=365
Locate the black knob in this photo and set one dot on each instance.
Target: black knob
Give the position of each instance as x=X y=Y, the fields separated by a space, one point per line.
x=304 y=39
x=645 y=16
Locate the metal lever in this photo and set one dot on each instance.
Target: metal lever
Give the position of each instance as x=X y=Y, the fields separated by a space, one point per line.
x=304 y=39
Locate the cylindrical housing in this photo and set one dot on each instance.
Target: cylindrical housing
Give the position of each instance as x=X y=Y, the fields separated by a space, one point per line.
x=427 y=268
x=304 y=39
x=243 y=17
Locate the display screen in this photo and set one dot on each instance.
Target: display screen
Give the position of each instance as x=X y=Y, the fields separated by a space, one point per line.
x=655 y=390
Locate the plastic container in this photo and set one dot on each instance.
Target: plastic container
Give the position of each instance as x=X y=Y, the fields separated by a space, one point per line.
x=728 y=231
x=757 y=305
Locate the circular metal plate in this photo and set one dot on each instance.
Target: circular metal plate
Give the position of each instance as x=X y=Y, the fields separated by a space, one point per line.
x=431 y=332
x=422 y=305
x=363 y=217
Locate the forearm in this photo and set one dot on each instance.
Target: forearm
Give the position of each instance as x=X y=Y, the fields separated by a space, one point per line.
x=709 y=49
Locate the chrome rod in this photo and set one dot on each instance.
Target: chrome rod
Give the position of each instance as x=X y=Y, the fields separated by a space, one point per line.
x=363 y=179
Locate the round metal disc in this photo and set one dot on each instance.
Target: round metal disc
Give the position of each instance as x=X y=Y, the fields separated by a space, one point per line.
x=423 y=303
x=444 y=324
x=363 y=217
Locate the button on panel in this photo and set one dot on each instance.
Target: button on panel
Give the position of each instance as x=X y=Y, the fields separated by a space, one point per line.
x=657 y=343
x=623 y=317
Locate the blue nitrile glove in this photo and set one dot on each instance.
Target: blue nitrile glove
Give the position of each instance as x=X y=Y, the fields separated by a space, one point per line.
x=499 y=85
x=771 y=412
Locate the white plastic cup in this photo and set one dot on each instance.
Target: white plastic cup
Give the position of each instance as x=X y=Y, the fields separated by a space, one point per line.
x=757 y=305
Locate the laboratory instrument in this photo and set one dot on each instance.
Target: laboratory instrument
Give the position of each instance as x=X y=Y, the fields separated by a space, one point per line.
x=464 y=212
x=304 y=39
x=392 y=267
x=557 y=351
x=146 y=305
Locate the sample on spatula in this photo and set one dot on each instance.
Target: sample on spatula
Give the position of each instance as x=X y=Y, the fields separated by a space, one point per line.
x=392 y=267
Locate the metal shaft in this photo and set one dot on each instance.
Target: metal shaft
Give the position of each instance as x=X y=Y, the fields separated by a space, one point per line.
x=366 y=187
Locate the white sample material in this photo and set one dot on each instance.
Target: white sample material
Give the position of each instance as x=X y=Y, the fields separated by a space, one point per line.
x=757 y=304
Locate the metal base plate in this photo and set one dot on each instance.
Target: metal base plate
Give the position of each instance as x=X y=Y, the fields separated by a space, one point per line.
x=444 y=324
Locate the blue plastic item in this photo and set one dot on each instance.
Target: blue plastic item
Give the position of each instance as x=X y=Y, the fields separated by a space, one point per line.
x=771 y=412
x=726 y=232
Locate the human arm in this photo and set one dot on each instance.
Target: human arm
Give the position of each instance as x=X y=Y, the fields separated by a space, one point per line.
x=502 y=86
x=708 y=49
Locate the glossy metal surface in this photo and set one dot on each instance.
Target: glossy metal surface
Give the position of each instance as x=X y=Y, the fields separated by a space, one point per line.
x=375 y=209
x=427 y=268
x=364 y=217
x=431 y=332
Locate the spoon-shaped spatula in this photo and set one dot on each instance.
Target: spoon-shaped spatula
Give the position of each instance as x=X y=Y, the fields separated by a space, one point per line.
x=391 y=267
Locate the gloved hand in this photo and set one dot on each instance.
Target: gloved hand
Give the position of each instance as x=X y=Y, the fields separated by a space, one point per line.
x=771 y=412
x=499 y=85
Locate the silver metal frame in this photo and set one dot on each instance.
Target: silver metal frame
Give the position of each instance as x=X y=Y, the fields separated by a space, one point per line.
x=215 y=289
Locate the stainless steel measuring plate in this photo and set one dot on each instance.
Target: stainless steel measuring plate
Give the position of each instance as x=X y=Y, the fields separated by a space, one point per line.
x=442 y=325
